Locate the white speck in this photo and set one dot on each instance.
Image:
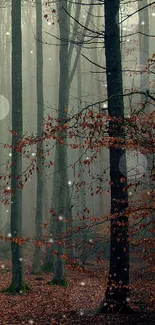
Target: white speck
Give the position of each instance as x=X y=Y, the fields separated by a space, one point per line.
x=153 y=14
x=81 y=313
x=49 y=23
x=8 y=188
x=31 y=321
x=128 y=116
x=130 y=193
x=125 y=269
x=29 y=179
x=69 y=183
x=90 y=240
x=3 y=266
x=105 y=105
x=10 y=154
x=20 y=259
x=60 y=217
x=64 y=316
x=20 y=291
x=82 y=283
x=105 y=84
x=7 y=33
x=33 y=154
x=148 y=193
x=9 y=235
x=127 y=299
x=114 y=274
x=143 y=23
x=51 y=240
x=11 y=202
x=118 y=258
x=87 y=158
x=31 y=52
x=128 y=40
x=49 y=59
x=7 y=211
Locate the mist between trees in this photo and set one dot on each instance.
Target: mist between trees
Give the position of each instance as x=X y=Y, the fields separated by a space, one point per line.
x=77 y=139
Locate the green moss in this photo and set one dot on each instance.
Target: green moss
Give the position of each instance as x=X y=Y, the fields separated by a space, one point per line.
x=23 y=289
x=39 y=278
x=47 y=268
x=36 y=273
x=62 y=282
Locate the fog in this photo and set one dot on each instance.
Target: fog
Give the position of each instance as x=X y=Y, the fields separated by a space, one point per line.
x=88 y=87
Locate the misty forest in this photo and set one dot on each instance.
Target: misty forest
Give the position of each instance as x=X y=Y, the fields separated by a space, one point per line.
x=77 y=164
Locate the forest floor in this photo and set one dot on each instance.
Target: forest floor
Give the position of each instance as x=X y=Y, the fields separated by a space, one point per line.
x=51 y=305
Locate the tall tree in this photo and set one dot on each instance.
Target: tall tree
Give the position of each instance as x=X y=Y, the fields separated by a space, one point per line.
x=66 y=77
x=61 y=178
x=116 y=296
x=36 y=267
x=143 y=57
x=17 y=285
x=82 y=194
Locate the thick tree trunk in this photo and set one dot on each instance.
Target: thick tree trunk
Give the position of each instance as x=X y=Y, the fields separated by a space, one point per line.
x=116 y=297
x=36 y=267
x=17 y=284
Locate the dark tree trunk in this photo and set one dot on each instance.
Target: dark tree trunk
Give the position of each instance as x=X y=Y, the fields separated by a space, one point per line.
x=36 y=267
x=17 y=284
x=118 y=281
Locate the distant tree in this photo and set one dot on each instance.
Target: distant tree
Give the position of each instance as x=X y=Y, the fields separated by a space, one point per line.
x=67 y=72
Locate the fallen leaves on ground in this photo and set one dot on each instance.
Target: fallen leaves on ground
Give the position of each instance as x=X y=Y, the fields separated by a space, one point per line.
x=53 y=305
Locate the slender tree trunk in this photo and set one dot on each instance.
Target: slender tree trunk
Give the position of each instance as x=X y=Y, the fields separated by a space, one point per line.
x=66 y=78
x=82 y=195
x=61 y=180
x=17 y=284
x=144 y=76
x=118 y=281
x=36 y=267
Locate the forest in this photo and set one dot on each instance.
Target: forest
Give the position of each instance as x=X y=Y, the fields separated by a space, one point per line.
x=77 y=164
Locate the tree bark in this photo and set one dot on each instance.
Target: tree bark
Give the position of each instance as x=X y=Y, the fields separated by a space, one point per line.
x=36 y=267
x=17 y=284
x=118 y=281
x=61 y=180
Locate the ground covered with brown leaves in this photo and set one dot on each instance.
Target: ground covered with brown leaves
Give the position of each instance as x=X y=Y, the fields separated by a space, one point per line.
x=49 y=305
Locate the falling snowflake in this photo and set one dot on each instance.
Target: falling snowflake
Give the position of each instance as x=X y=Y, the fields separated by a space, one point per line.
x=51 y=240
